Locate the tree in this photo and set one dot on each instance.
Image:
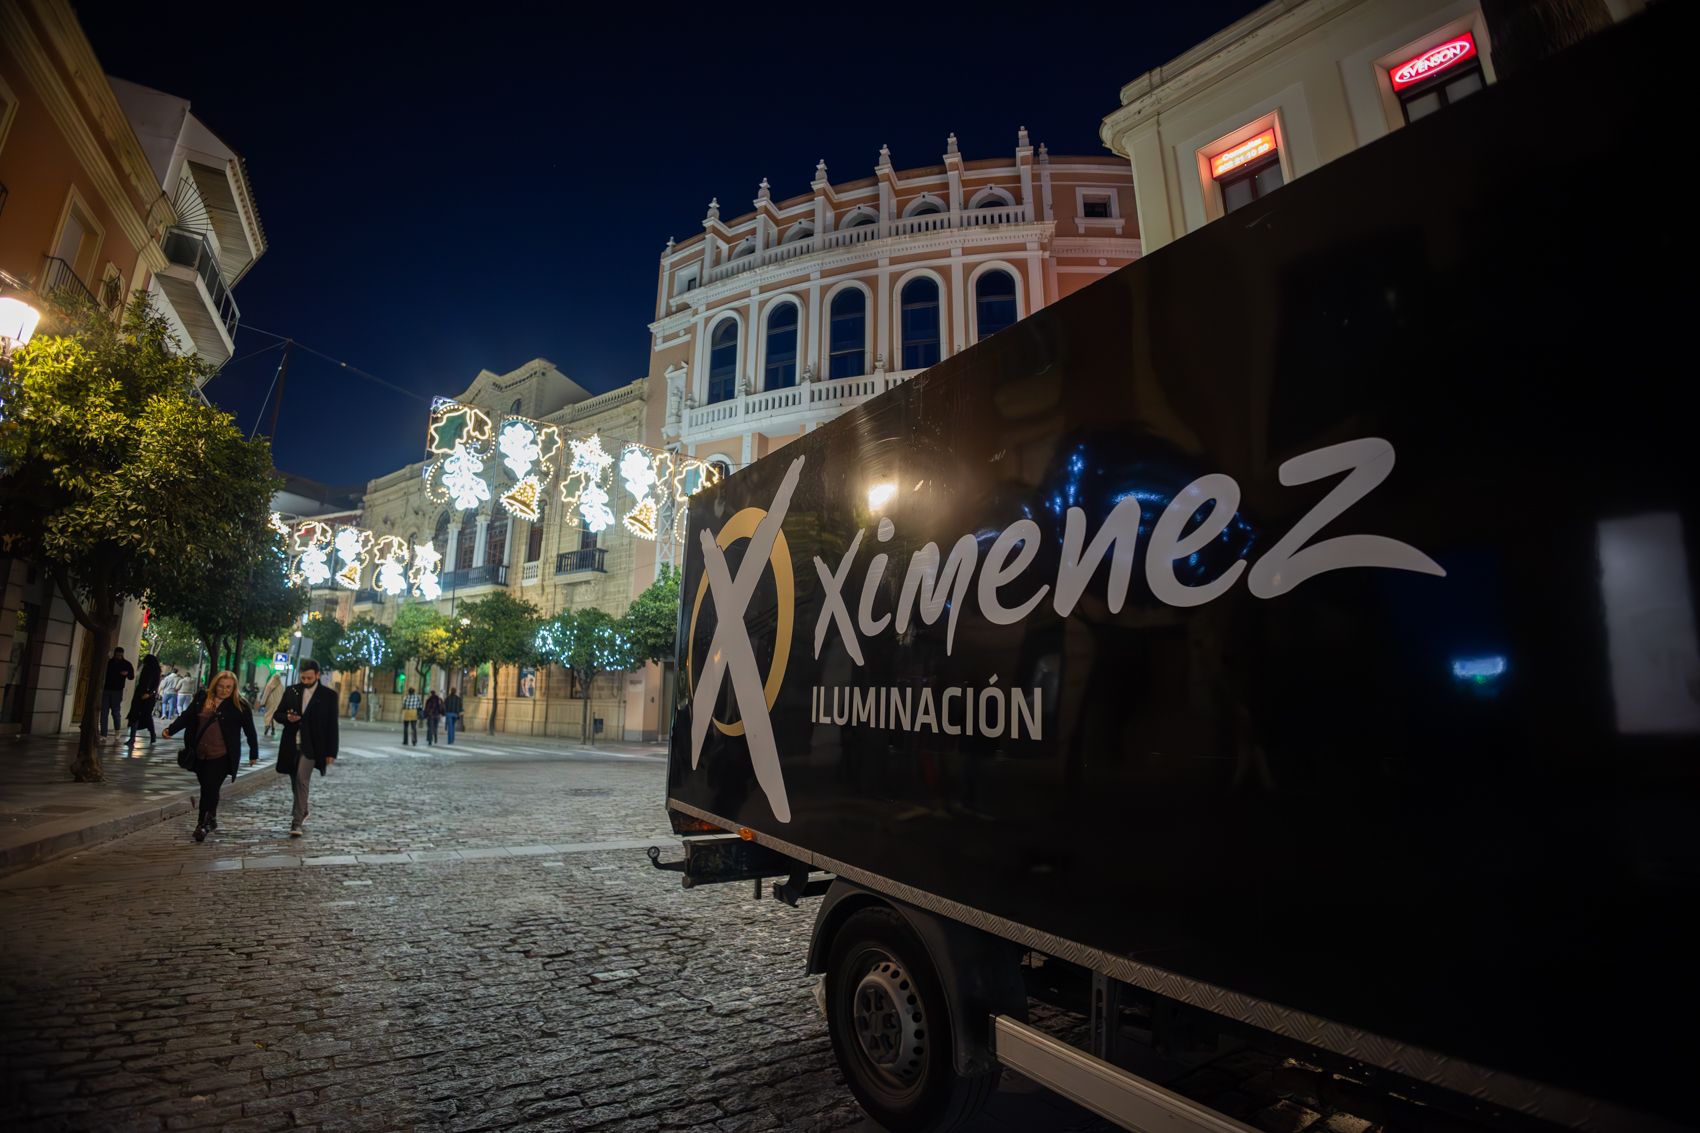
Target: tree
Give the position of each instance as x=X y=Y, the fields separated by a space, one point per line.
x=652 y=620
x=260 y=604
x=326 y=634
x=419 y=633
x=93 y=420
x=502 y=630
x=587 y=643
x=365 y=644
x=174 y=642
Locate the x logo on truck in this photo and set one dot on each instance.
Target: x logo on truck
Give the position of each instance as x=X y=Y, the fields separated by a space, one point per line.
x=731 y=650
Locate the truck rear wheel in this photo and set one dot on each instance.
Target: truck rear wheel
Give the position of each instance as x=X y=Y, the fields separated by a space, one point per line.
x=890 y=1026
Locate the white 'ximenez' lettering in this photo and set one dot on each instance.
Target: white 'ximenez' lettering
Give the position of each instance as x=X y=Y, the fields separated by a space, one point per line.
x=929 y=588
x=993 y=712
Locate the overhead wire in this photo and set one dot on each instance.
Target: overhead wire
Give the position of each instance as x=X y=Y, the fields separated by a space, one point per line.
x=349 y=366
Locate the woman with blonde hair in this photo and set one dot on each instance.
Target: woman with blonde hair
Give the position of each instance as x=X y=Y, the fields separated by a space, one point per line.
x=270 y=699
x=213 y=727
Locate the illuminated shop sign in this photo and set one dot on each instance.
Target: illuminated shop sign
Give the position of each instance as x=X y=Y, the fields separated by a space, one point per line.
x=1433 y=61
x=1250 y=150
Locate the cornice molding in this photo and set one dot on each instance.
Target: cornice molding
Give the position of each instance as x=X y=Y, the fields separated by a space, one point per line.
x=139 y=222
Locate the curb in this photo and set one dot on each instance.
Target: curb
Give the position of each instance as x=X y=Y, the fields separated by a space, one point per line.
x=59 y=839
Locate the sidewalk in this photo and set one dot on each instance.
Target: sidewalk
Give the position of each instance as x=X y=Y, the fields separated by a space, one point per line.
x=44 y=815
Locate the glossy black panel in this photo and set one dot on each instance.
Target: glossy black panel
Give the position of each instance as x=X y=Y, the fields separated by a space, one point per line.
x=1460 y=810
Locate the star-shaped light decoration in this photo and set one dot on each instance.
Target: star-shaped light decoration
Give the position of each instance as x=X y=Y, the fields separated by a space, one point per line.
x=523 y=498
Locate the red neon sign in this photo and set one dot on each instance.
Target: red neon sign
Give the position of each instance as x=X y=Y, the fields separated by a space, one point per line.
x=1433 y=61
x=1230 y=160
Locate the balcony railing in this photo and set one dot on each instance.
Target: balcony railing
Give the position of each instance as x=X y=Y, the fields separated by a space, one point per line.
x=59 y=281
x=862 y=234
x=490 y=574
x=190 y=249
x=820 y=396
x=585 y=558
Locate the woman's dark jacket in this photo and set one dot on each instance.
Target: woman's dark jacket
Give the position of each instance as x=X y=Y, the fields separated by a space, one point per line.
x=236 y=722
x=144 y=697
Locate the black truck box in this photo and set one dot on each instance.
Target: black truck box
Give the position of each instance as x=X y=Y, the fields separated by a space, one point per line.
x=1299 y=623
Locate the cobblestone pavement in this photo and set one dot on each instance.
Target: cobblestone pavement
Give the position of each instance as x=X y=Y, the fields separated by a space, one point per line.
x=466 y=939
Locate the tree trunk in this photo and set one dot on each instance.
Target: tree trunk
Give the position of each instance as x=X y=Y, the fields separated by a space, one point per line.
x=584 y=717
x=241 y=640
x=85 y=765
x=495 y=695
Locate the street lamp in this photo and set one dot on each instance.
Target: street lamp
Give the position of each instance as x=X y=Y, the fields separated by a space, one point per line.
x=17 y=323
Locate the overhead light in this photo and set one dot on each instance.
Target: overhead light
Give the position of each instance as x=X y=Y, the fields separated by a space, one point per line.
x=17 y=323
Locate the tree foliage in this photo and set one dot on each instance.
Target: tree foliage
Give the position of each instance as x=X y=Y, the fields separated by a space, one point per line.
x=652 y=620
x=502 y=630
x=414 y=632
x=174 y=642
x=587 y=643
x=96 y=420
x=365 y=644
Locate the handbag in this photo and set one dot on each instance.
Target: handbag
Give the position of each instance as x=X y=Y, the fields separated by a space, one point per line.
x=186 y=759
x=408 y=715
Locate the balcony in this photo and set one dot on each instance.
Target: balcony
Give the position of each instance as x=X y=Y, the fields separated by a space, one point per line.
x=926 y=223
x=194 y=286
x=59 y=281
x=490 y=574
x=582 y=560
x=783 y=410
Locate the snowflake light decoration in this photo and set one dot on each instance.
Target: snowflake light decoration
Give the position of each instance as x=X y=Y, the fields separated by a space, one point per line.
x=586 y=467
x=593 y=506
x=279 y=524
x=460 y=477
x=426 y=584
x=518 y=444
x=391 y=576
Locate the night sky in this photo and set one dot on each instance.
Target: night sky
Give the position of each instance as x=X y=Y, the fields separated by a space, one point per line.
x=445 y=195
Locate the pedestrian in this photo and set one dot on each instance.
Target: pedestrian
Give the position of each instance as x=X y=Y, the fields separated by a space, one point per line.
x=167 y=699
x=213 y=726
x=354 y=704
x=269 y=700
x=433 y=713
x=451 y=713
x=118 y=673
x=143 y=701
x=309 y=715
x=410 y=706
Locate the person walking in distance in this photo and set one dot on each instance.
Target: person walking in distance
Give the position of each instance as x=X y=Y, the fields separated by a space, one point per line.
x=167 y=699
x=213 y=726
x=143 y=701
x=270 y=698
x=354 y=704
x=451 y=713
x=118 y=671
x=308 y=713
x=433 y=712
x=410 y=706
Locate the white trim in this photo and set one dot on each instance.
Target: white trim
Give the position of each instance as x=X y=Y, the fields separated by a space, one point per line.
x=92 y=228
x=1021 y=308
x=1471 y=21
x=869 y=314
x=844 y=221
x=897 y=287
x=992 y=191
x=913 y=208
x=8 y=110
x=1209 y=191
x=802 y=230
x=764 y=319
x=707 y=339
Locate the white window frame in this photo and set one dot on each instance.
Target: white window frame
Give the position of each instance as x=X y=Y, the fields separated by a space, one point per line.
x=940 y=205
x=896 y=315
x=850 y=220
x=767 y=311
x=1213 y=207
x=1003 y=195
x=1021 y=310
x=708 y=354
x=1391 y=105
x=91 y=227
x=870 y=314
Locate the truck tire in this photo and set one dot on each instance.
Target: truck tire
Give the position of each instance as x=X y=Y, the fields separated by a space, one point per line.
x=889 y=1021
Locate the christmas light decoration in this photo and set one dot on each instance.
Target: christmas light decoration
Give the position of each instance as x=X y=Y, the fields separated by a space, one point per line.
x=426 y=584
x=279 y=524
x=518 y=444
x=311 y=544
x=593 y=506
x=351 y=547
x=391 y=556
x=523 y=498
x=586 y=467
x=454 y=425
x=460 y=478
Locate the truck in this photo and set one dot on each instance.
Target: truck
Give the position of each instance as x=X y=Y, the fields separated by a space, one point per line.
x=1286 y=644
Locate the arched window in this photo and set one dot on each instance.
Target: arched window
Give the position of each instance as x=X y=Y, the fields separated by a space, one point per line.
x=723 y=362
x=994 y=199
x=801 y=231
x=496 y=540
x=534 y=537
x=440 y=537
x=781 y=366
x=994 y=303
x=926 y=207
x=848 y=351
x=920 y=323
x=859 y=218
x=467 y=545
x=515 y=407
x=744 y=249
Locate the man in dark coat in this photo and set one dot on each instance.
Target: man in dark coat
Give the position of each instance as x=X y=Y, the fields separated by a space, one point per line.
x=308 y=714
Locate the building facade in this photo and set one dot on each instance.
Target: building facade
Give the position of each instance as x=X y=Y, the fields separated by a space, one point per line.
x=1293 y=86
x=554 y=562
x=85 y=216
x=771 y=323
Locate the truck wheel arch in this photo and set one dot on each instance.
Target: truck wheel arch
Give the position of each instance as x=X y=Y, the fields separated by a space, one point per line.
x=980 y=973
